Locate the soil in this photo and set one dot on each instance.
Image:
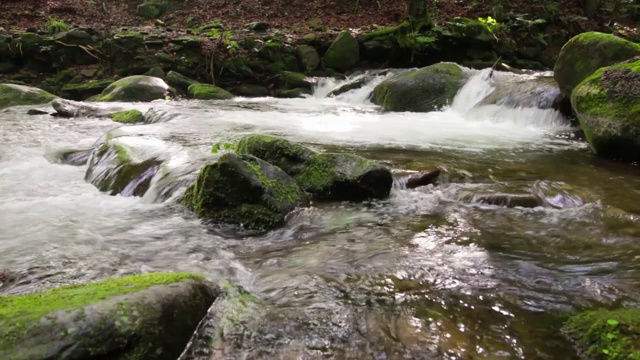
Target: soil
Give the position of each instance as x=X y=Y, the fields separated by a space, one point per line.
x=290 y=16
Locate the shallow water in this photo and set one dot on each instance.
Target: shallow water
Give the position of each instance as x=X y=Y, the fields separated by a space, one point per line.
x=426 y=272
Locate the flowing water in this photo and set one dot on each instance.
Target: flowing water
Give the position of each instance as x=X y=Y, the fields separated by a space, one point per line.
x=426 y=273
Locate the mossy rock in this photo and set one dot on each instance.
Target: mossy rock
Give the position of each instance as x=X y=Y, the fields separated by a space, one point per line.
x=179 y=81
x=602 y=334
x=135 y=88
x=470 y=31
x=151 y=9
x=294 y=80
x=127 y=116
x=149 y=316
x=308 y=57
x=208 y=92
x=125 y=165
x=251 y=90
x=14 y=95
x=244 y=190
x=588 y=52
x=83 y=91
x=326 y=176
x=292 y=93
x=607 y=104
x=344 y=52
x=428 y=89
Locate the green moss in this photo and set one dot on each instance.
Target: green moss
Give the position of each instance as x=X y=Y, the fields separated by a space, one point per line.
x=17 y=312
x=127 y=117
x=14 y=95
x=611 y=92
x=208 y=92
x=281 y=191
x=318 y=174
x=611 y=335
x=344 y=52
x=386 y=32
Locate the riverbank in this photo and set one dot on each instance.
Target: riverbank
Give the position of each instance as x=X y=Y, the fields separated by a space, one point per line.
x=68 y=46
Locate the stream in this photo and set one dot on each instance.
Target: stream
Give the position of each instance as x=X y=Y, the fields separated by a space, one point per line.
x=427 y=273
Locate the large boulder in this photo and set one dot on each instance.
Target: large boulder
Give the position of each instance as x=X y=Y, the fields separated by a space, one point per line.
x=244 y=190
x=607 y=104
x=586 y=53
x=125 y=165
x=603 y=334
x=208 y=92
x=308 y=57
x=422 y=90
x=70 y=109
x=179 y=81
x=344 y=52
x=149 y=316
x=13 y=95
x=324 y=175
x=135 y=88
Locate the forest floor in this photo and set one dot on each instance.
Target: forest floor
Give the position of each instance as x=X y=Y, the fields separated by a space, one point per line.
x=290 y=16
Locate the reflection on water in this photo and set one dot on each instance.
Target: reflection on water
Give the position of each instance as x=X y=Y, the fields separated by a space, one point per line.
x=425 y=273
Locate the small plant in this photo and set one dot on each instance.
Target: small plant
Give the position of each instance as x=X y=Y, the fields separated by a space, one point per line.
x=223 y=146
x=610 y=335
x=55 y=26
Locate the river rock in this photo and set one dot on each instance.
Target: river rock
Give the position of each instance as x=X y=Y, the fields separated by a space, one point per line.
x=14 y=95
x=308 y=57
x=588 y=52
x=344 y=52
x=245 y=190
x=135 y=88
x=508 y=200
x=127 y=116
x=422 y=90
x=150 y=316
x=591 y=332
x=208 y=92
x=540 y=92
x=324 y=175
x=294 y=80
x=251 y=90
x=179 y=81
x=423 y=179
x=125 y=165
x=607 y=104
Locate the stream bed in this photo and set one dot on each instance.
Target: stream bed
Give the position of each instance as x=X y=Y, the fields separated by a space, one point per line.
x=427 y=273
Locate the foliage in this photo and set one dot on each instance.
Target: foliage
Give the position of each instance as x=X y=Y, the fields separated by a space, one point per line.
x=55 y=26
x=492 y=24
x=218 y=43
x=223 y=146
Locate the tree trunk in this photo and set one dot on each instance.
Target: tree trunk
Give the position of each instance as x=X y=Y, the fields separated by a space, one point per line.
x=417 y=11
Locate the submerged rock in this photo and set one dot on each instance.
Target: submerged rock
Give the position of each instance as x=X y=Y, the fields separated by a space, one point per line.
x=127 y=116
x=208 y=92
x=422 y=90
x=344 y=52
x=324 y=175
x=508 y=200
x=74 y=157
x=14 y=95
x=149 y=316
x=135 y=88
x=125 y=165
x=244 y=190
x=588 y=52
x=69 y=109
x=607 y=104
x=606 y=334
x=423 y=179
x=540 y=92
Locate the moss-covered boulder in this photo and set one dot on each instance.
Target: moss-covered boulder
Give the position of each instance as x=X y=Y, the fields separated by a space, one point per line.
x=208 y=92
x=294 y=80
x=422 y=90
x=602 y=334
x=135 y=88
x=607 y=104
x=244 y=190
x=586 y=53
x=292 y=93
x=308 y=57
x=251 y=90
x=149 y=316
x=127 y=116
x=324 y=175
x=151 y=9
x=13 y=95
x=344 y=52
x=125 y=165
x=83 y=91
x=179 y=81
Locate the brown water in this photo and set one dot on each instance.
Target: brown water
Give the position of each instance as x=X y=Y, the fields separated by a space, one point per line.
x=426 y=273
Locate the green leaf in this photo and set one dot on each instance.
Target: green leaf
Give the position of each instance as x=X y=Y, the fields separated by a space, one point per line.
x=611 y=336
x=612 y=322
x=605 y=351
